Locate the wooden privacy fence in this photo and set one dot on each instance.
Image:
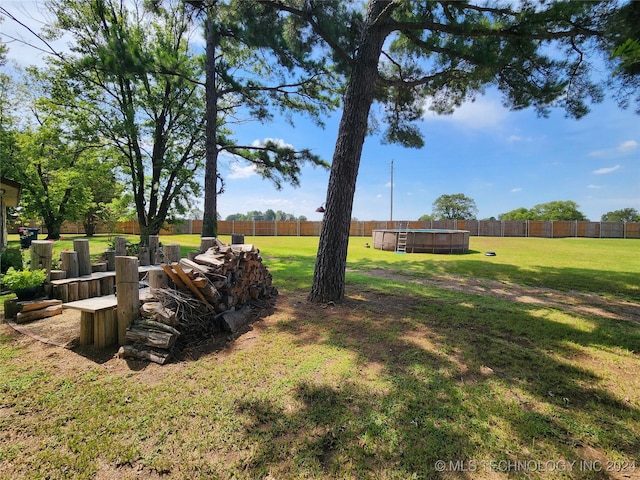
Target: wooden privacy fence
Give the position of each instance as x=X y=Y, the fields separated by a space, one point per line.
x=483 y=228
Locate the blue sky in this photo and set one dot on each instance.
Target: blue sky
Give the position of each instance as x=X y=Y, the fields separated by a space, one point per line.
x=501 y=159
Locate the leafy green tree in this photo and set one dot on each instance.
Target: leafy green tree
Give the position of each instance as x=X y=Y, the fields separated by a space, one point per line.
x=624 y=215
x=57 y=163
x=557 y=210
x=255 y=58
x=455 y=206
x=426 y=217
x=128 y=77
x=517 y=214
x=269 y=215
x=400 y=52
x=622 y=42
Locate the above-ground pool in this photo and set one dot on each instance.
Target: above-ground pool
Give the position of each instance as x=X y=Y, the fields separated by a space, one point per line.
x=423 y=241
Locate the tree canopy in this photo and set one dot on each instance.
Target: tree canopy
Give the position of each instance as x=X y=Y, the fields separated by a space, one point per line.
x=623 y=215
x=555 y=210
x=455 y=206
x=401 y=53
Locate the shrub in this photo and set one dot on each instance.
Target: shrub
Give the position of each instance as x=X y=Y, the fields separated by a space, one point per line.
x=20 y=279
x=11 y=257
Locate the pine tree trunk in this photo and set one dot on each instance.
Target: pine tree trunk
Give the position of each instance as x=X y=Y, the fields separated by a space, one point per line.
x=210 y=219
x=331 y=261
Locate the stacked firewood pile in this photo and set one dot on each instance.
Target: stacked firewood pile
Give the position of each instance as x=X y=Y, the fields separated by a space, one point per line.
x=219 y=291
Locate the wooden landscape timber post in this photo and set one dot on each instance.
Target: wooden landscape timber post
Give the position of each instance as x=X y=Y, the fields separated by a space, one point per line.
x=110 y=257
x=171 y=253
x=144 y=256
x=120 y=245
x=41 y=253
x=69 y=263
x=128 y=294
x=207 y=242
x=81 y=246
x=158 y=278
x=154 y=242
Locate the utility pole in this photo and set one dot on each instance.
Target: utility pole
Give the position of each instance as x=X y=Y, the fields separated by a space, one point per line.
x=391 y=210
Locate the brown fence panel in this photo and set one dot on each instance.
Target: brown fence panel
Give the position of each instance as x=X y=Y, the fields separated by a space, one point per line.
x=592 y=229
x=472 y=226
x=310 y=229
x=612 y=230
x=563 y=229
x=536 y=228
x=514 y=228
x=491 y=228
x=287 y=228
x=632 y=230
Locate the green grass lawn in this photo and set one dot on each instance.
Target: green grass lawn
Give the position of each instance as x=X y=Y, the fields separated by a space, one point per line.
x=522 y=365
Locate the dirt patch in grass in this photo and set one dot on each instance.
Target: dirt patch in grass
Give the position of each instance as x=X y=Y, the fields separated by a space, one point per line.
x=571 y=302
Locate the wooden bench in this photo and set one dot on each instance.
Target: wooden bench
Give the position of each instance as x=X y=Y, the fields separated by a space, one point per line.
x=97 y=284
x=99 y=319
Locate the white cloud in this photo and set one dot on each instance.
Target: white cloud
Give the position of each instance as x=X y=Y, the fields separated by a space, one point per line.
x=278 y=141
x=602 y=171
x=242 y=172
x=597 y=153
x=518 y=138
x=517 y=189
x=628 y=146
x=480 y=114
x=594 y=187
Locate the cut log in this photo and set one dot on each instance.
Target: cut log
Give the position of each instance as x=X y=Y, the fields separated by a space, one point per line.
x=86 y=328
x=236 y=320
x=37 y=305
x=186 y=263
x=81 y=246
x=132 y=351
x=210 y=258
x=41 y=256
x=159 y=313
x=120 y=244
x=158 y=278
x=38 y=314
x=157 y=326
x=154 y=242
x=58 y=274
x=128 y=294
x=171 y=253
x=151 y=338
x=183 y=276
x=207 y=242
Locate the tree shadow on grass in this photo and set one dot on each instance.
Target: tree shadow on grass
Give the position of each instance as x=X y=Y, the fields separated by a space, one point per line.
x=443 y=377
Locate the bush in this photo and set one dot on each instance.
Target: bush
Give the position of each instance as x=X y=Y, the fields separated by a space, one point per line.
x=20 y=279
x=11 y=257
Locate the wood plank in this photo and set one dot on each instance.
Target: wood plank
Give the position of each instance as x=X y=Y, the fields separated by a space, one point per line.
x=183 y=276
x=86 y=328
x=31 y=305
x=38 y=314
x=96 y=304
x=173 y=276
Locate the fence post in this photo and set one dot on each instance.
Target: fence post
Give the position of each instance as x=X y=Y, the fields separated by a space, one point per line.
x=254 y=227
